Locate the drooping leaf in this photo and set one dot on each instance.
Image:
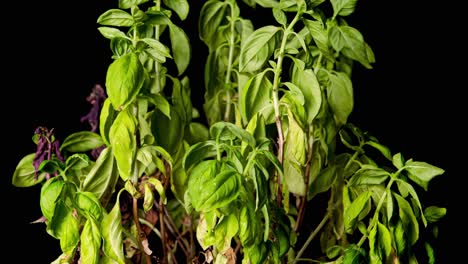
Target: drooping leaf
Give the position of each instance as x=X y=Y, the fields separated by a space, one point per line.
x=310 y=87
x=323 y=181
x=181 y=48
x=124 y=79
x=106 y=120
x=168 y=132
x=111 y=230
x=103 y=177
x=50 y=193
x=90 y=242
x=295 y=157
x=222 y=128
x=249 y=228
x=89 y=204
x=340 y=97
x=380 y=244
x=351 y=43
x=352 y=211
x=181 y=7
x=123 y=141
x=408 y=219
x=257 y=97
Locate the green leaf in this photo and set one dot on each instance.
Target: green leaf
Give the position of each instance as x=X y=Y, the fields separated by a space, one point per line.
x=421 y=172
x=65 y=227
x=409 y=188
x=205 y=234
x=256 y=98
x=77 y=161
x=383 y=149
x=352 y=211
x=24 y=174
x=294 y=157
x=198 y=152
x=340 y=97
x=225 y=230
x=368 y=175
x=111 y=230
x=255 y=51
x=408 y=219
x=226 y=129
x=323 y=181
x=398 y=161
x=434 y=213
x=82 y=141
x=123 y=141
x=106 y=119
x=399 y=237
x=50 y=194
x=209 y=22
x=126 y=4
x=161 y=103
x=181 y=7
x=112 y=33
x=350 y=42
x=89 y=204
x=159 y=48
x=159 y=188
x=148 y=199
x=318 y=32
x=90 y=242
x=212 y=186
x=124 y=79
x=343 y=7
x=354 y=255
x=116 y=17
x=168 y=132
x=197 y=132
x=279 y=16
x=181 y=48
x=380 y=244
x=249 y=228
x=310 y=87
x=103 y=177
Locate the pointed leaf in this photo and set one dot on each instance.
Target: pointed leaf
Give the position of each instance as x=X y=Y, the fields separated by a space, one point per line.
x=24 y=174
x=124 y=79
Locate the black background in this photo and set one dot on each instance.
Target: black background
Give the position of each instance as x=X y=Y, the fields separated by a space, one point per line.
x=53 y=55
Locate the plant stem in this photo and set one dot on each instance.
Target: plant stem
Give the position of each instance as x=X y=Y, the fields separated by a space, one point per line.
x=157 y=66
x=312 y=236
x=276 y=84
x=376 y=213
x=302 y=207
x=141 y=234
x=227 y=80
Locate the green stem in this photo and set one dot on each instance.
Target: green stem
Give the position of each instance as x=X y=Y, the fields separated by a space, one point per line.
x=157 y=65
x=312 y=236
x=276 y=83
x=376 y=213
x=227 y=80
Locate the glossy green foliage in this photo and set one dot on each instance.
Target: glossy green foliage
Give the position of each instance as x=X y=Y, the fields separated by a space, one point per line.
x=235 y=187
